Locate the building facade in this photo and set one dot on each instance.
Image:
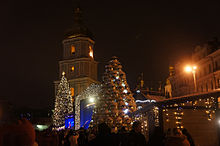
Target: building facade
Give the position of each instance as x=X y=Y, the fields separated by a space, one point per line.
x=78 y=61
x=206 y=58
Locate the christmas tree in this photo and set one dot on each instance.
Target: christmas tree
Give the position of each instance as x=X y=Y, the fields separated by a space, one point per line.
x=63 y=103
x=117 y=100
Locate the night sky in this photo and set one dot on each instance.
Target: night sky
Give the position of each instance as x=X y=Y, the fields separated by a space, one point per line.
x=146 y=35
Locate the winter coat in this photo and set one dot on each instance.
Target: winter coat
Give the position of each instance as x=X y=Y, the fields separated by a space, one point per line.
x=136 y=139
x=177 y=141
x=104 y=140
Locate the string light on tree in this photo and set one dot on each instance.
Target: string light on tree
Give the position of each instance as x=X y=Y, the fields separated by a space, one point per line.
x=117 y=100
x=63 y=104
x=125 y=91
x=126 y=111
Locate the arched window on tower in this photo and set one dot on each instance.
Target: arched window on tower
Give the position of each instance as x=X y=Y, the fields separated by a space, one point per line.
x=72 y=94
x=73 y=49
x=90 y=51
x=72 y=68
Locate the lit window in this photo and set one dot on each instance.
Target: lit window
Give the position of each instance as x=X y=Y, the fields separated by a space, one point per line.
x=73 y=49
x=72 y=91
x=90 y=51
x=72 y=68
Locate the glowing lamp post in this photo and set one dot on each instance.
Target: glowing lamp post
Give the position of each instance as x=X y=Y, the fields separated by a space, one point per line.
x=91 y=99
x=192 y=69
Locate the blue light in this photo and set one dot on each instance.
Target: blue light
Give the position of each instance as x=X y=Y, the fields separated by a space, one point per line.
x=69 y=122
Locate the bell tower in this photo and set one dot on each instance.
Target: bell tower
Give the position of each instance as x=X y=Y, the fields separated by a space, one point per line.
x=78 y=61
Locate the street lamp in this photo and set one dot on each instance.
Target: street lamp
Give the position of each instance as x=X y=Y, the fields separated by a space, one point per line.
x=91 y=99
x=192 y=69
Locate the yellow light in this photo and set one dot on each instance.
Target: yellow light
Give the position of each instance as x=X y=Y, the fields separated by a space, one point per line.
x=188 y=69
x=72 y=68
x=73 y=50
x=91 y=99
x=90 y=52
x=194 y=67
x=72 y=91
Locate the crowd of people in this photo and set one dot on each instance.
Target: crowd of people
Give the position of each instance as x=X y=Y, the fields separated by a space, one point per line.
x=102 y=136
x=23 y=134
x=174 y=137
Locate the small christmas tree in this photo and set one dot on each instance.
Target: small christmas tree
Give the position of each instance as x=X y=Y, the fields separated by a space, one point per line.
x=117 y=100
x=63 y=103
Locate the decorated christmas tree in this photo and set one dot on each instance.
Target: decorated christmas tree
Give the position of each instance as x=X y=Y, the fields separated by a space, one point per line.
x=63 y=104
x=117 y=101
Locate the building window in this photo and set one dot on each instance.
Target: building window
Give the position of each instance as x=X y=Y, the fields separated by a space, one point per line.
x=216 y=65
x=72 y=68
x=201 y=72
x=211 y=85
x=90 y=51
x=72 y=91
x=205 y=71
x=210 y=69
x=218 y=80
x=218 y=102
x=73 y=49
x=206 y=86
